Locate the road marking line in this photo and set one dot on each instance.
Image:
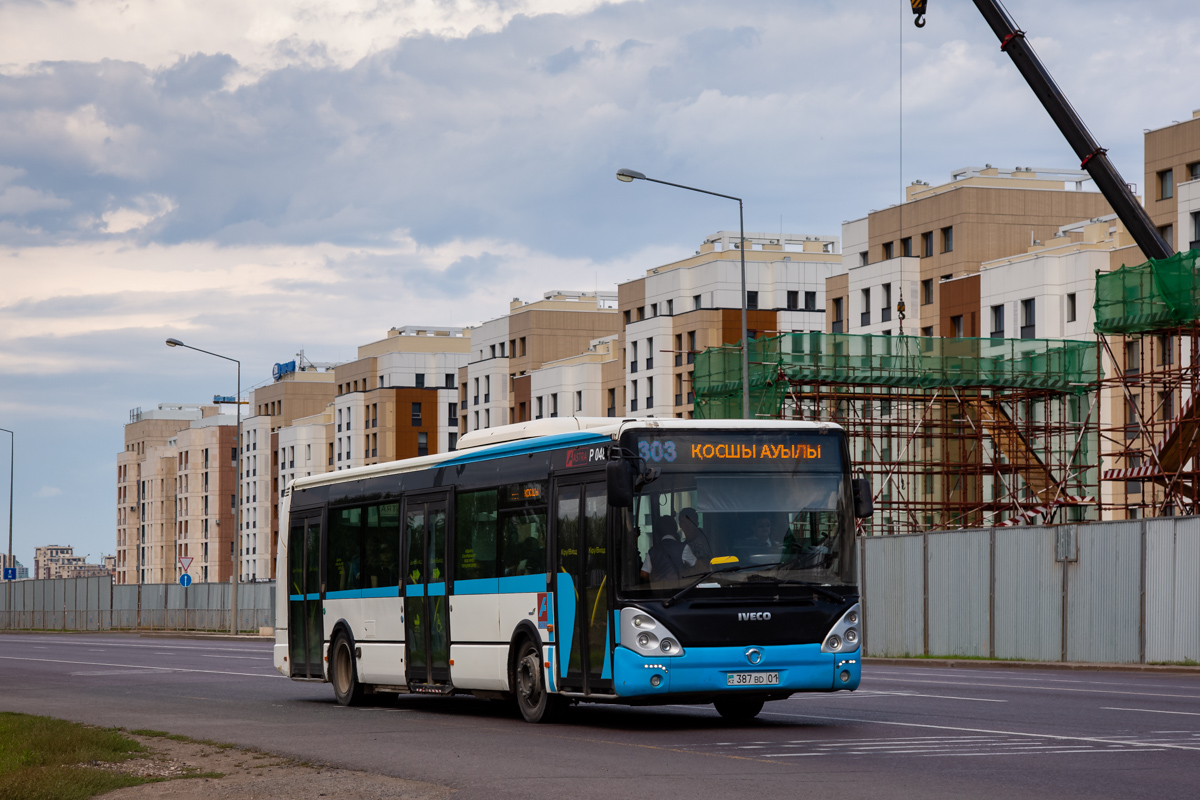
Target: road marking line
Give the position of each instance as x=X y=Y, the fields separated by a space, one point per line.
x=144 y=666
x=64 y=641
x=1155 y=711
x=977 y=730
x=939 y=697
x=1044 y=688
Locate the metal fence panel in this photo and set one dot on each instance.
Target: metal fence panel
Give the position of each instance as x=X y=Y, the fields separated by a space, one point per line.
x=959 y=588
x=1172 y=589
x=895 y=610
x=153 y=613
x=1028 y=595
x=125 y=606
x=1104 y=594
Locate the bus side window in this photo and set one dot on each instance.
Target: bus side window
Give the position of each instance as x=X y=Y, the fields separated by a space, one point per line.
x=475 y=535
x=383 y=547
x=524 y=549
x=345 y=550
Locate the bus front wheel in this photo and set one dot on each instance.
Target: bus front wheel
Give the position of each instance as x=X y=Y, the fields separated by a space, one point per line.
x=537 y=704
x=738 y=709
x=343 y=671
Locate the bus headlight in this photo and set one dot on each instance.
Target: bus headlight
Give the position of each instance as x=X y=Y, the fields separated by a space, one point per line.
x=646 y=636
x=844 y=636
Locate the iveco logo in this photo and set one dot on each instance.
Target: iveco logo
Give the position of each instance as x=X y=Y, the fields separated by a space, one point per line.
x=748 y=616
x=754 y=656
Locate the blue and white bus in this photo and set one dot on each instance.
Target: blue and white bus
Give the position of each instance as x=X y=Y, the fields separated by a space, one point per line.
x=636 y=561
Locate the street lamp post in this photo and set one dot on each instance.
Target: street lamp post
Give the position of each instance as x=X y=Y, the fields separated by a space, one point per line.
x=237 y=534
x=629 y=175
x=10 y=564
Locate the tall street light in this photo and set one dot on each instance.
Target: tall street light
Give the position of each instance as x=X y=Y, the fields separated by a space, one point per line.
x=12 y=457
x=237 y=535
x=630 y=175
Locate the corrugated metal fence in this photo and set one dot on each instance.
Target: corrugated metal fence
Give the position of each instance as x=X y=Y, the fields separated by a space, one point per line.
x=1117 y=592
x=95 y=604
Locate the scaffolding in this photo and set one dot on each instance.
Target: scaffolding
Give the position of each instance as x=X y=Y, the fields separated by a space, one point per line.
x=952 y=433
x=1148 y=326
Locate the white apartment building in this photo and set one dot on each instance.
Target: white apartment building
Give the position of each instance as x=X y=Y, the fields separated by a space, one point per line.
x=573 y=386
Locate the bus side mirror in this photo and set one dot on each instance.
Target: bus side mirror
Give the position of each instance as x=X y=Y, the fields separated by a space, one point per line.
x=621 y=476
x=864 y=506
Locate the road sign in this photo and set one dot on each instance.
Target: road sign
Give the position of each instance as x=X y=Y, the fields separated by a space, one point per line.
x=185 y=562
x=10 y=573
x=185 y=580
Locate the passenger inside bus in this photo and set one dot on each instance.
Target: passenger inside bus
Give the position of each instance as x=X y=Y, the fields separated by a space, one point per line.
x=668 y=558
x=694 y=539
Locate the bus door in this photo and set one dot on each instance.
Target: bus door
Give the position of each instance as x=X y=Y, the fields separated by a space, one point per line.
x=581 y=590
x=305 y=631
x=426 y=612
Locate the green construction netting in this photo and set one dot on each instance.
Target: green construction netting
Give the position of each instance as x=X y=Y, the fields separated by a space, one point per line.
x=1150 y=296
x=896 y=361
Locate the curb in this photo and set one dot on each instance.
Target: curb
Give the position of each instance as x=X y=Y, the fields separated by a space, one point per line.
x=1060 y=666
x=207 y=637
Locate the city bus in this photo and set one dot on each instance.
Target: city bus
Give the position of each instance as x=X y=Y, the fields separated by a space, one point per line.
x=565 y=560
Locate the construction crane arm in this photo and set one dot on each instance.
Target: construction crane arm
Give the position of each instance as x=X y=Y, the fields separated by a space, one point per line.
x=1092 y=157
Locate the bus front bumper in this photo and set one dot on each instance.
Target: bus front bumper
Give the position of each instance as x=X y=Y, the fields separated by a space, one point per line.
x=728 y=670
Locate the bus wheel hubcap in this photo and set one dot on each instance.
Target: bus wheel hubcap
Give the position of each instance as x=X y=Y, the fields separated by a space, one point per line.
x=528 y=677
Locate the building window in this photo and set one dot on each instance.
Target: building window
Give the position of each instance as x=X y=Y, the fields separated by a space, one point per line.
x=452 y=441
x=1193 y=171
x=927 y=291
x=416 y=415
x=1167 y=232
x=579 y=401
x=487 y=418
x=670 y=308
x=492 y=349
x=906 y=247
x=696 y=302
x=793 y=301
x=1166 y=184
x=865 y=317
x=887 y=250
x=838 y=321
x=1071 y=307
x=998 y=322
x=864 y=258
x=885 y=313
x=691 y=347
x=641 y=313
x=1028 y=319
x=420 y=380
x=649 y=393
x=927 y=244
x=752 y=300
x=653 y=310
x=539 y=408
x=927 y=331
x=1195 y=243
x=554 y=405
x=956 y=326
x=810 y=301
x=948 y=240
x=452 y=413
x=522 y=341
x=628 y=317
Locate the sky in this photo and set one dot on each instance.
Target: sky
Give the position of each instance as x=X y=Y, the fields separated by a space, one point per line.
x=257 y=178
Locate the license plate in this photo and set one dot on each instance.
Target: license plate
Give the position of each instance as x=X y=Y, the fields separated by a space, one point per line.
x=752 y=679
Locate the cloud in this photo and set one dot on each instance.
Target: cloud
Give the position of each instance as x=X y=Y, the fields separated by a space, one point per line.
x=47 y=492
x=146 y=210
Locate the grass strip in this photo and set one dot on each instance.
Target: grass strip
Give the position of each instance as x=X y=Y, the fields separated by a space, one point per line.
x=42 y=758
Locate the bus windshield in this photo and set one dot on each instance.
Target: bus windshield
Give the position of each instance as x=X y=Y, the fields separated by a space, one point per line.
x=749 y=508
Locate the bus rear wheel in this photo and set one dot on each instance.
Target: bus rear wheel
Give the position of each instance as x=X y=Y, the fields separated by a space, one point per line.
x=343 y=671
x=537 y=704
x=738 y=709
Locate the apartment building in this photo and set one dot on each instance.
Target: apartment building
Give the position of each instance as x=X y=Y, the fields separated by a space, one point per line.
x=299 y=389
x=678 y=309
x=398 y=399
x=574 y=386
x=913 y=251
x=176 y=452
x=495 y=387
x=1173 y=181
x=54 y=560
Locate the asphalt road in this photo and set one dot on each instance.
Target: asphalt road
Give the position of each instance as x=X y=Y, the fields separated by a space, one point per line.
x=919 y=732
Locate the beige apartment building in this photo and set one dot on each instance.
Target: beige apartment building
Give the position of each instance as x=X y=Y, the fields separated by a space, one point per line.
x=914 y=250
x=176 y=494
x=495 y=385
x=678 y=309
x=1172 y=170
x=56 y=561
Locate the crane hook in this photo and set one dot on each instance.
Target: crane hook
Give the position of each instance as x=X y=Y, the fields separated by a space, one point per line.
x=918 y=8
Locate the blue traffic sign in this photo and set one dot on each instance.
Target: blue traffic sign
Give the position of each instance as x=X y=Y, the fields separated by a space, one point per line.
x=10 y=573
x=185 y=580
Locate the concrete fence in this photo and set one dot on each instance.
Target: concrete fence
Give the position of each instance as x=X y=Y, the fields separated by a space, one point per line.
x=95 y=604
x=1119 y=592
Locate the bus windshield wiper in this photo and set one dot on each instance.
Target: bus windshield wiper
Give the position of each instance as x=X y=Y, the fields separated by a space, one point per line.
x=816 y=587
x=673 y=599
